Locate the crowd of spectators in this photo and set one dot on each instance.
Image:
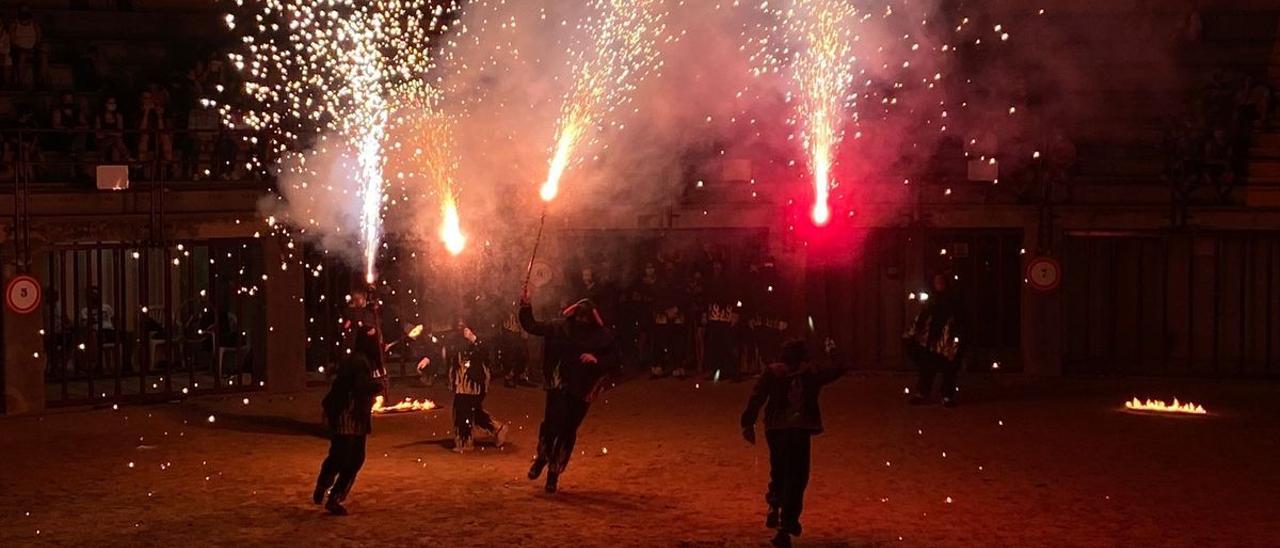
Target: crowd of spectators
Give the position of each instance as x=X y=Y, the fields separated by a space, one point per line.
x=715 y=312
x=1211 y=148
x=152 y=120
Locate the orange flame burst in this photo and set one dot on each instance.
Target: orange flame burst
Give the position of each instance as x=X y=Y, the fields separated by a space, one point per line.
x=450 y=226
x=1161 y=407
x=619 y=51
x=406 y=406
x=565 y=142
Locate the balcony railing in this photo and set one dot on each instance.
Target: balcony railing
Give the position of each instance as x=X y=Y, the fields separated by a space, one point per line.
x=69 y=157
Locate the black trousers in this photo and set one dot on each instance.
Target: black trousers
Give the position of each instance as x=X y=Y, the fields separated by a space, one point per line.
x=338 y=473
x=931 y=365
x=788 y=471
x=720 y=354
x=559 y=431
x=468 y=413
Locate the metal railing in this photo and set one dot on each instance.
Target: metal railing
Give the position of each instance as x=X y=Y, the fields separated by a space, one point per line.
x=70 y=156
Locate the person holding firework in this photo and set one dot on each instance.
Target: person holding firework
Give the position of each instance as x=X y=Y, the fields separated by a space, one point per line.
x=788 y=391
x=578 y=352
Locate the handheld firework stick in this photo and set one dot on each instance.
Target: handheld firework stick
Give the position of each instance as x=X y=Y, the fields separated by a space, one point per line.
x=537 y=242
x=412 y=335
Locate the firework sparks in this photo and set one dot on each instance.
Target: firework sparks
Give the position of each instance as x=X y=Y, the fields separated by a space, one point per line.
x=329 y=78
x=451 y=226
x=620 y=50
x=823 y=70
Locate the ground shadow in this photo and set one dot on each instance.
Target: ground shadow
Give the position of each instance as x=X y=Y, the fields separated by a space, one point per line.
x=601 y=500
x=447 y=444
x=271 y=424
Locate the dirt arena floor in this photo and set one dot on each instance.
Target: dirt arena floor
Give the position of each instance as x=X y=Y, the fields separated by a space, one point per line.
x=1021 y=463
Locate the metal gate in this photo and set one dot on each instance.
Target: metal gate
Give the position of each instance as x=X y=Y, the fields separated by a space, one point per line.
x=865 y=297
x=1172 y=304
x=125 y=321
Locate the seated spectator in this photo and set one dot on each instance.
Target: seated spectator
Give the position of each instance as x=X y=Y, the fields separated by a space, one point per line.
x=28 y=46
x=97 y=316
x=110 y=126
x=68 y=115
x=6 y=56
x=224 y=156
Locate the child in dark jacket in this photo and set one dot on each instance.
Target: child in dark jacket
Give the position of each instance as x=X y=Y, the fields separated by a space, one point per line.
x=788 y=392
x=348 y=410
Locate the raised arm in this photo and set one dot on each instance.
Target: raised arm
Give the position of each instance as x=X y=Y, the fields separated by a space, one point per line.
x=530 y=325
x=837 y=365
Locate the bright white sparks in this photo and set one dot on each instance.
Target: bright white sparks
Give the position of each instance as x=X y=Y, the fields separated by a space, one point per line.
x=620 y=51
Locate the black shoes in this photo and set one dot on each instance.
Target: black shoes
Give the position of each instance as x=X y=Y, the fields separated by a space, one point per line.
x=781 y=540
x=334 y=507
x=553 y=482
x=771 y=519
x=536 y=470
x=792 y=528
x=318 y=496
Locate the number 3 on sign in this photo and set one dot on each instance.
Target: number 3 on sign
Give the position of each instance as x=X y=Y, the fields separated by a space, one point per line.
x=22 y=294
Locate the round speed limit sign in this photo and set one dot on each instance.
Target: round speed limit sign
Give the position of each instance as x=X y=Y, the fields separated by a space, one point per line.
x=22 y=295
x=540 y=274
x=1044 y=273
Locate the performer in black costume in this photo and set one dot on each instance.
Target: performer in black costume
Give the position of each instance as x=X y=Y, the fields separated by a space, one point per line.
x=578 y=351
x=933 y=341
x=348 y=412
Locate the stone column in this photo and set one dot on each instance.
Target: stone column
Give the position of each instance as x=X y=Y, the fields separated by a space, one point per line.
x=1041 y=314
x=24 y=358
x=285 y=349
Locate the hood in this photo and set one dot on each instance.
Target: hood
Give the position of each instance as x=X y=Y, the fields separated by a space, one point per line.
x=585 y=304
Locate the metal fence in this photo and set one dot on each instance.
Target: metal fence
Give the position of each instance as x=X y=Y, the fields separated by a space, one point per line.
x=136 y=321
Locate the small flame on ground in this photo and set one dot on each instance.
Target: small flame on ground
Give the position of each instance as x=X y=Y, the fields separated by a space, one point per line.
x=408 y=405
x=1160 y=406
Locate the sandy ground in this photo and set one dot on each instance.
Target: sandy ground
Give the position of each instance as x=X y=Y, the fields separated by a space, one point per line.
x=1022 y=463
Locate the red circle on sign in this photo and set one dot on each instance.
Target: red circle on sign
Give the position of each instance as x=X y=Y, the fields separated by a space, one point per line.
x=22 y=294
x=1044 y=273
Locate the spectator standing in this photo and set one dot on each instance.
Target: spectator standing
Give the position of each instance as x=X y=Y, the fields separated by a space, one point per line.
x=6 y=55
x=29 y=152
x=8 y=157
x=110 y=128
x=28 y=46
x=154 y=129
x=69 y=117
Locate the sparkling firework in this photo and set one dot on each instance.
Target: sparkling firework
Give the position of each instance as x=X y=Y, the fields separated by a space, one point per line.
x=344 y=68
x=822 y=33
x=620 y=50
